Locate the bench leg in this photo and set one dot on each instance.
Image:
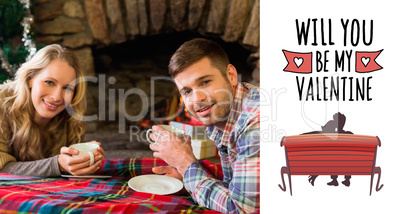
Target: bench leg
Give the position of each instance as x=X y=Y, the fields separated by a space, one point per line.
x=285 y=170
x=377 y=170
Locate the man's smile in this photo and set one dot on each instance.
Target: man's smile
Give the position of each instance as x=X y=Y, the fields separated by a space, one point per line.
x=205 y=110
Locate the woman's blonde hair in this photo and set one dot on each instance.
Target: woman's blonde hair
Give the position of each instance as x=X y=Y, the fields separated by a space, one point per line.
x=26 y=140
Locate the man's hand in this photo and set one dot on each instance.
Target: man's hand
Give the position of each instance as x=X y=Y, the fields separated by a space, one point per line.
x=171 y=172
x=175 y=151
x=167 y=170
x=79 y=165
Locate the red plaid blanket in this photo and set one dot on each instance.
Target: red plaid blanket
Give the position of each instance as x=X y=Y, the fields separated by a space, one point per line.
x=113 y=195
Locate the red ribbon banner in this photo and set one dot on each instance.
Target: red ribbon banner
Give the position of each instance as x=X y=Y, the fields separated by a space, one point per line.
x=298 y=62
x=365 y=61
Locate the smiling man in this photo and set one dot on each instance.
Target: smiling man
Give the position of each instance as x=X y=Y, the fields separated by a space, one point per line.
x=231 y=112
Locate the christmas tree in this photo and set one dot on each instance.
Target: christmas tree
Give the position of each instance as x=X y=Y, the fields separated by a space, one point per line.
x=16 y=44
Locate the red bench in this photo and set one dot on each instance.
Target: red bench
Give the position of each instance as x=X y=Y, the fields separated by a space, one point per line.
x=330 y=154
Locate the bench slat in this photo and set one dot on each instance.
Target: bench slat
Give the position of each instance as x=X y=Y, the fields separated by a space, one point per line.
x=333 y=136
x=332 y=173
x=328 y=138
x=340 y=144
x=331 y=170
x=314 y=153
x=331 y=157
x=331 y=148
x=345 y=163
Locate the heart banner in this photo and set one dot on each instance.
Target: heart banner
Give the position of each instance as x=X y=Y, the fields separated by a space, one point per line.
x=365 y=61
x=298 y=62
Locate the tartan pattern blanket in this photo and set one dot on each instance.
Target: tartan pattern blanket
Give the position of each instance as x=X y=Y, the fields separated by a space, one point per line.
x=22 y=194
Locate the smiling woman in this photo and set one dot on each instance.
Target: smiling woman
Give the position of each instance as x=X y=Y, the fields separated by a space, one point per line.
x=35 y=128
x=52 y=90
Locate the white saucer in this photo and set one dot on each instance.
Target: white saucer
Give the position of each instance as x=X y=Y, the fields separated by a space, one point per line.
x=155 y=184
x=82 y=177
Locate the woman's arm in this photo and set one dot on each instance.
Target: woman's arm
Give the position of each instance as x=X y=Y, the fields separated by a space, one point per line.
x=8 y=164
x=47 y=167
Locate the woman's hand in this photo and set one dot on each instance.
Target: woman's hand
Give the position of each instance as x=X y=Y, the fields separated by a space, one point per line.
x=79 y=165
x=99 y=148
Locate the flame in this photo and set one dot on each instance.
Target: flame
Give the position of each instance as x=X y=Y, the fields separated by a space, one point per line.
x=185 y=108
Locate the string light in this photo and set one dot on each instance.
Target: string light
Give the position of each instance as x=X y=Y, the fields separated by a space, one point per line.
x=29 y=44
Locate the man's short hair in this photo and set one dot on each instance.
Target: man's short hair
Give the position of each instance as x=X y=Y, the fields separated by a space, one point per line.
x=194 y=50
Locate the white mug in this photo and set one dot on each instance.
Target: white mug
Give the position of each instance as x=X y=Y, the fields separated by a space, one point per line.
x=86 y=149
x=174 y=130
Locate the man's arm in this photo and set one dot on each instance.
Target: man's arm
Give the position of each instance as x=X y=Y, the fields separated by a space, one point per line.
x=239 y=192
x=242 y=192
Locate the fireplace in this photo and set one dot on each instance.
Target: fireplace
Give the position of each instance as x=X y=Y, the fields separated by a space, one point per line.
x=131 y=73
x=124 y=47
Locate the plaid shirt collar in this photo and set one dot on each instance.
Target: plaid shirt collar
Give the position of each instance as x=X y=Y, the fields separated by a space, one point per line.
x=213 y=132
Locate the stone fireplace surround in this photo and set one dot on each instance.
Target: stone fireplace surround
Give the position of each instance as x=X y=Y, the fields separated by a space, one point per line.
x=85 y=25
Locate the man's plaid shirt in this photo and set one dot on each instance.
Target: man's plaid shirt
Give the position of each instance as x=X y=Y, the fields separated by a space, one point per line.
x=239 y=150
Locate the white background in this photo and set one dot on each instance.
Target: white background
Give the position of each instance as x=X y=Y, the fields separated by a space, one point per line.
x=283 y=113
